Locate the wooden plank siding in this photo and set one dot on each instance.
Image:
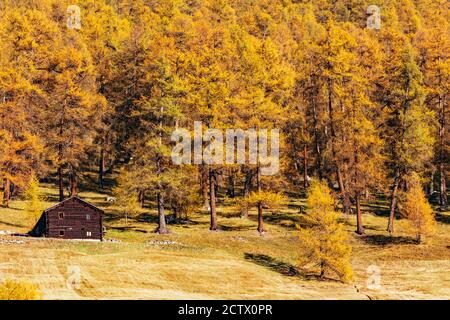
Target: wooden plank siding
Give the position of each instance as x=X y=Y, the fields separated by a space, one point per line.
x=71 y=219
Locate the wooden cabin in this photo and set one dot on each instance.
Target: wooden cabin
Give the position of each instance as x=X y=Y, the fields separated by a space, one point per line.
x=72 y=218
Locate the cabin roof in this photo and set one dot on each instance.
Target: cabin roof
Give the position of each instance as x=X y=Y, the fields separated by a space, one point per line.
x=70 y=199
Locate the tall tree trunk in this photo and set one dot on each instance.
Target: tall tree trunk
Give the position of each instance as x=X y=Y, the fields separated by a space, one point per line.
x=60 y=154
x=101 y=167
x=247 y=188
x=212 y=199
x=248 y=182
x=260 y=219
x=231 y=184
x=443 y=186
x=305 y=166
x=111 y=165
x=142 y=198
x=316 y=142
x=346 y=204
x=217 y=180
x=322 y=268
x=431 y=185
x=359 y=226
x=60 y=183
x=204 y=185
x=261 y=228
x=6 y=193
x=73 y=182
x=305 y=153
x=442 y=155
x=162 y=227
x=390 y=226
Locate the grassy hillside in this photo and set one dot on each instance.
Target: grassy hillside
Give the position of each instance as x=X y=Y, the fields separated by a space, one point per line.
x=233 y=263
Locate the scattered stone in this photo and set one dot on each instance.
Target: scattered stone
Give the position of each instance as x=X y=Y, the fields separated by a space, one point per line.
x=111 y=199
x=8 y=241
x=112 y=240
x=162 y=242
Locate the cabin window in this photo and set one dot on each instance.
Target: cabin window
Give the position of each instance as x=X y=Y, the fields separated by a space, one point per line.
x=88 y=217
x=61 y=232
x=61 y=215
x=88 y=233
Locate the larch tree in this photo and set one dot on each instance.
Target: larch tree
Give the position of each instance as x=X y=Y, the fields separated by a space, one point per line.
x=66 y=106
x=265 y=82
x=434 y=60
x=337 y=71
x=306 y=128
x=408 y=123
x=323 y=241
x=126 y=194
x=417 y=209
x=206 y=70
x=74 y=109
x=147 y=116
x=104 y=31
x=359 y=145
x=22 y=150
x=161 y=106
x=263 y=200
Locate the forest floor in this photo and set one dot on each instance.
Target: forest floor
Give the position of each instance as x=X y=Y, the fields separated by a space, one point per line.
x=232 y=263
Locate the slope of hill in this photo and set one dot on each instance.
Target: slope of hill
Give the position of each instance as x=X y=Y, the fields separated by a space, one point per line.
x=233 y=263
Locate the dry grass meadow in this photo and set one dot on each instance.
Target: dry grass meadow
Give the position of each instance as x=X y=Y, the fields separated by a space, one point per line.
x=233 y=263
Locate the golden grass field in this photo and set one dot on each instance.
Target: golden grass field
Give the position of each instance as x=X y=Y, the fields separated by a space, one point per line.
x=233 y=263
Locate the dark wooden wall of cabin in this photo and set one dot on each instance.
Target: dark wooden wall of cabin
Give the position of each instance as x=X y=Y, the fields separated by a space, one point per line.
x=74 y=223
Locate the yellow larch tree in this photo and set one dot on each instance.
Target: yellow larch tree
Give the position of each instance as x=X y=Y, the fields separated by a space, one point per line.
x=323 y=241
x=417 y=209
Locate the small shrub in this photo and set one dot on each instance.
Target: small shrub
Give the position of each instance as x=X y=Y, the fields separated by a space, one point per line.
x=19 y=290
x=34 y=198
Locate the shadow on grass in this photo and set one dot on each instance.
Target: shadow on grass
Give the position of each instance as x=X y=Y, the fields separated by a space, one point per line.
x=297 y=207
x=293 y=194
x=10 y=208
x=109 y=217
x=382 y=240
x=380 y=212
x=443 y=218
x=273 y=264
x=280 y=219
x=124 y=229
x=235 y=228
x=12 y=224
x=283 y=268
x=51 y=198
x=87 y=182
x=170 y=220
